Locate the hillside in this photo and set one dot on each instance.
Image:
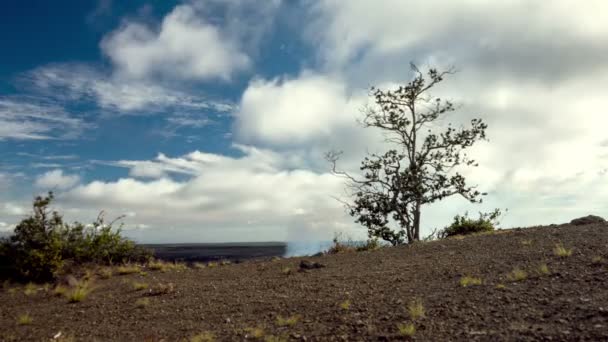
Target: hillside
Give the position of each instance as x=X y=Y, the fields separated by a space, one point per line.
x=356 y=296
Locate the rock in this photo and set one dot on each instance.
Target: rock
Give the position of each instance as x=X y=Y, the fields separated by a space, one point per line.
x=307 y=265
x=589 y=219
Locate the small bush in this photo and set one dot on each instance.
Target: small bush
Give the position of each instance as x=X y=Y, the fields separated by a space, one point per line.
x=463 y=225
x=30 y=289
x=255 y=332
x=79 y=293
x=469 y=281
x=341 y=245
x=286 y=270
x=345 y=305
x=406 y=329
x=24 y=319
x=199 y=265
x=42 y=243
x=162 y=289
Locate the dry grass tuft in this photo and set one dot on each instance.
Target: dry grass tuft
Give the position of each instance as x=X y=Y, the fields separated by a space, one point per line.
x=255 y=332
x=526 y=242
x=543 y=269
x=501 y=286
x=416 y=309
x=142 y=302
x=105 y=273
x=128 y=269
x=597 y=260
x=30 y=289
x=24 y=319
x=517 y=274
x=406 y=329
x=345 y=305
x=469 y=281
x=202 y=337
x=561 y=251
x=199 y=265
x=162 y=289
x=212 y=264
x=137 y=286
x=287 y=321
x=60 y=290
x=286 y=270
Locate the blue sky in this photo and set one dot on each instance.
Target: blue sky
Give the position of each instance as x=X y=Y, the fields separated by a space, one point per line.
x=206 y=120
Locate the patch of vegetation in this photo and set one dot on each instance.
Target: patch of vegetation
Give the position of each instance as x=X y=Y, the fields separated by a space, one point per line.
x=501 y=286
x=162 y=289
x=597 y=260
x=469 y=281
x=341 y=245
x=199 y=265
x=137 y=286
x=272 y=338
x=543 y=269
x=202 y=337
x=42 y=244
x=416 y=309
x=225 y=262
x=561 y=251
x=287 y=321
x=24 y=319
x=79 y=293
x=345 y=305
x=142 y=302
x=128 y=269
x=255 y=332
x=406 y=329
x=30 y=289
x=526 y=242
x=286 y=270
x=105 y=273
x=212 y=264
x=463 y=225
x=60 y=290
x=517 y=274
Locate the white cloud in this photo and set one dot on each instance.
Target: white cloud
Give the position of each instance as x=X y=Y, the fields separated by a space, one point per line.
x=56 y=179
x=27 y=119
x=185 y=46
x=258 y=191
x=70 y=82
x=293 y=111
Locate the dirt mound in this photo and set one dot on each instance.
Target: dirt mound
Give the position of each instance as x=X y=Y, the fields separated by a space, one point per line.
x=589 y=219
x=543 y=283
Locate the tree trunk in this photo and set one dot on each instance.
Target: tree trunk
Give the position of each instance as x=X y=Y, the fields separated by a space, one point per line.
x=416 y=231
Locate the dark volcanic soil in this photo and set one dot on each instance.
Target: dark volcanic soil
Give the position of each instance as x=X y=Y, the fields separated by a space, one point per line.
x=570 y=303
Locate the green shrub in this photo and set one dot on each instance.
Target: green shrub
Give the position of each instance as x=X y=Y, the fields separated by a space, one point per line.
x=463 y=225
x=42 y=242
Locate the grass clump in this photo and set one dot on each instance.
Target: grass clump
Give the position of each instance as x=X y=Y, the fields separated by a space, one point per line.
x=128 y=269
x=416 y=309
x=561 y=251
x=286 y=270
x=469 y=281
x=162 y=289
x=212 y=264
x=255 y=332
x=287 y=321
x=517 y=274
x=341 y=245
x=526 y=242
x=501 y=286
x=543 y=269
x=142 y=302
x=60 y=290
x=105 y=273
x=202 y=337
x=406 y=329
x=345 y=305
x=597 y=260
x=24 y=319
x=30 y=289
x=78 y=294
x=199 y=265
x=137 y=286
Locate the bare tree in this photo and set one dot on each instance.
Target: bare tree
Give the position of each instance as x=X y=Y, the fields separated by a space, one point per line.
x=420 y=170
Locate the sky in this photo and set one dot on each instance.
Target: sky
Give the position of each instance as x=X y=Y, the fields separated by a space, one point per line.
x=207 y=120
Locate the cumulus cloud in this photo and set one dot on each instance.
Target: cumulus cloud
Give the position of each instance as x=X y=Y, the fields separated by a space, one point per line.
x=259 y=191
x=185 y=46
x=56 y=179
